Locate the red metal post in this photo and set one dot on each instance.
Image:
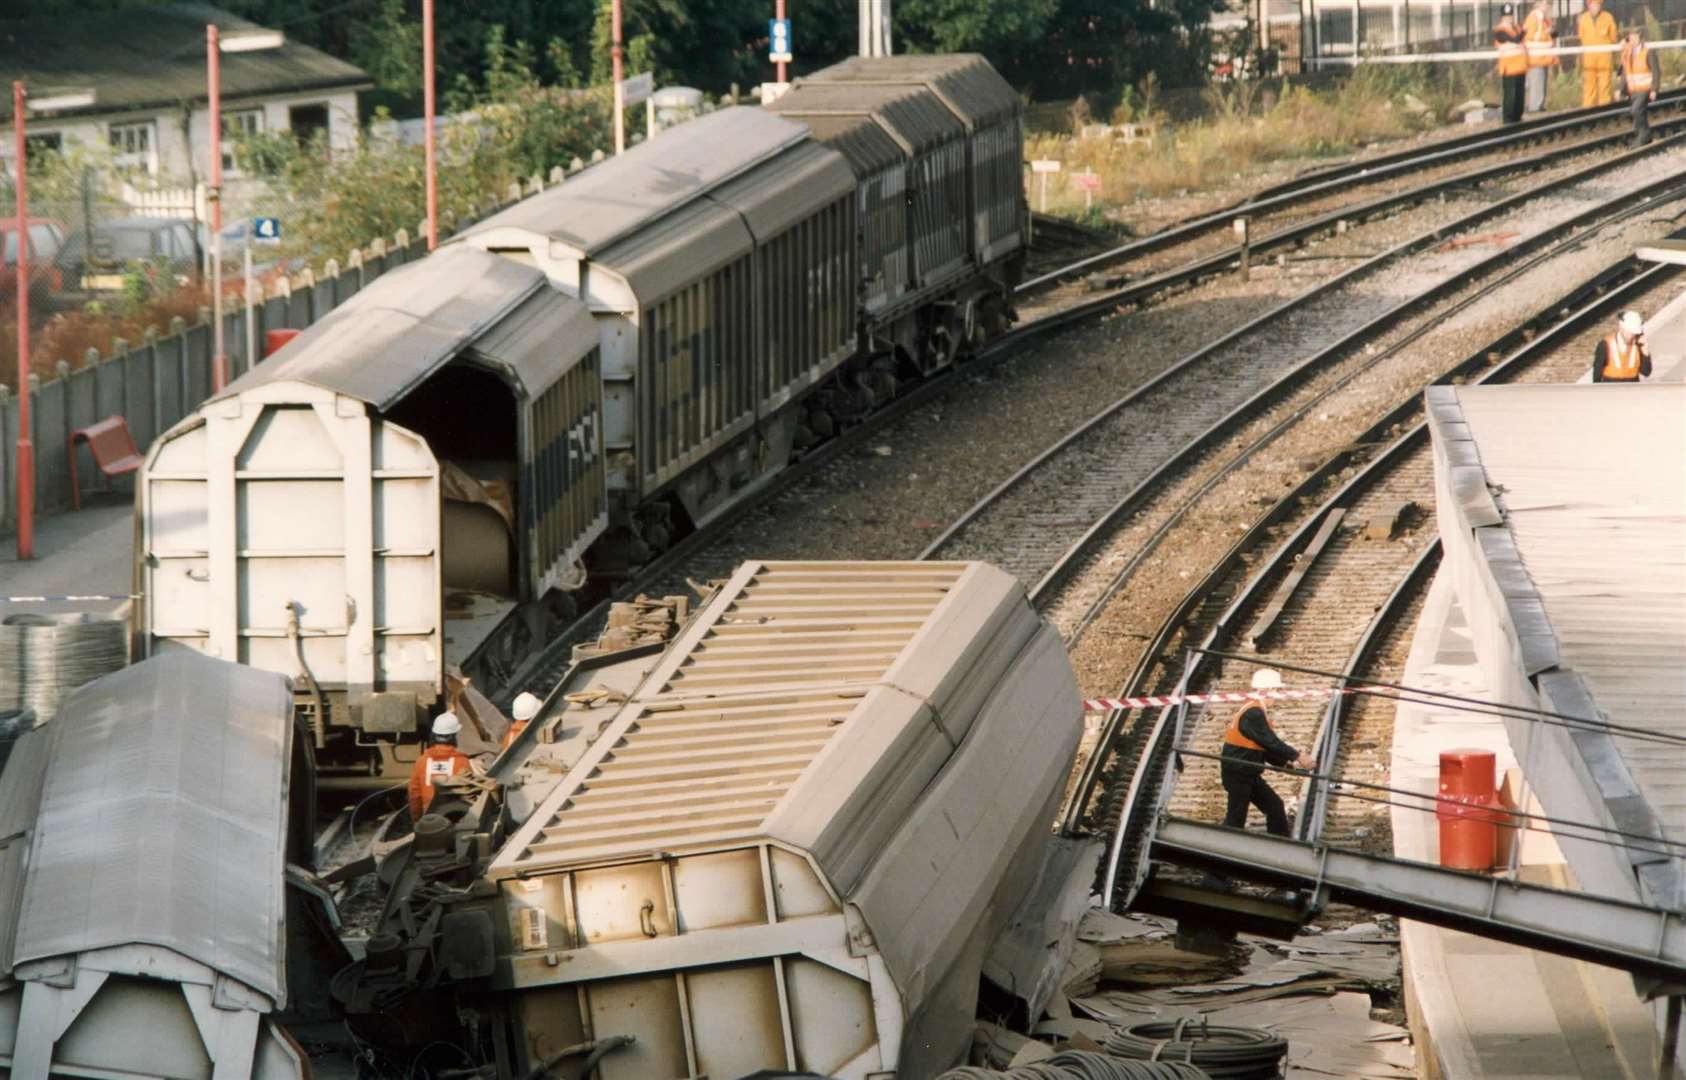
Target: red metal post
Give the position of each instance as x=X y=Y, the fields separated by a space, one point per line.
x=427 y=138
x=615 y=62
x=213 y=65
x=778 y=13
x=26 y=446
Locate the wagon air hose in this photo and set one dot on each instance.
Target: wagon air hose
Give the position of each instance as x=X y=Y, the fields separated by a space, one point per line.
x=319 y=722
x=594 y=1050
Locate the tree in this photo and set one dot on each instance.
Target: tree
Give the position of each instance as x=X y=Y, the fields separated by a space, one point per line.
x=1000 y=29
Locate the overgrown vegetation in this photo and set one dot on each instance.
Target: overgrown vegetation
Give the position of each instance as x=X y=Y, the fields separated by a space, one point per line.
x=515 y=128
x=1245 y=126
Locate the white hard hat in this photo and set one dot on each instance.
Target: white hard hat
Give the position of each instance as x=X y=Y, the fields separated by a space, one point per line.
x=446 y=723
x=526 y=706
x=1633 y=322
x=1267 y=679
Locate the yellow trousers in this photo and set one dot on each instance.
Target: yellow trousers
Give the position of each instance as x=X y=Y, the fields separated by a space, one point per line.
x=1595 y=86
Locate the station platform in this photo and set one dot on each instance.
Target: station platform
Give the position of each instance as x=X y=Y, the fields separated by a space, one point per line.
x=90 y=551
x=1562 y=588
x=1479 y=1008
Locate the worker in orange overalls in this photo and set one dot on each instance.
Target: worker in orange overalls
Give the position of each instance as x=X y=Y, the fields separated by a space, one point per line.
x=1639 y=83
x=1596 y=27
x=1250 y=743
x=439 y=760
x=1539 y=35
x=1513 y=62
x=1623 y=357
x=524 y=708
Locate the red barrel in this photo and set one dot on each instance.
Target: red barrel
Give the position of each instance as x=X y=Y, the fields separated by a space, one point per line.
x=274 y=339
x=1467 y=810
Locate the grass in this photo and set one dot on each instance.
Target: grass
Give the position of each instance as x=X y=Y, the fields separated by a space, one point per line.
x=1246 y=128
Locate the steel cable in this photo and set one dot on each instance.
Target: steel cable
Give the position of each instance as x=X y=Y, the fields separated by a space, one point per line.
x=1083 y=1065
x=1241 y=1053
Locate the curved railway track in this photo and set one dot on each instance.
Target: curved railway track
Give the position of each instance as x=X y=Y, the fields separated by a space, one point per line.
x=1048 y=517
x=1290 y=199
x=1354 y=601
x=547 y=667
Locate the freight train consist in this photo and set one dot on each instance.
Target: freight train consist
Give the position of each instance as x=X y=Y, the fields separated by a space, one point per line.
x=424 y=477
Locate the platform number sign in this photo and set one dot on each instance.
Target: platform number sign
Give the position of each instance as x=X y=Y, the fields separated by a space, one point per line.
x=778 y=35
x=266 y=230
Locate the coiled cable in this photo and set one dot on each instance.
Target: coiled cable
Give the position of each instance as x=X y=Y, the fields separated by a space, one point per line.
x=1224 y=1053
x=1083 y=1065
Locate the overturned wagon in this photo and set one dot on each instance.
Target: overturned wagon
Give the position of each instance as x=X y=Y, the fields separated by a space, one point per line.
x=787 y=845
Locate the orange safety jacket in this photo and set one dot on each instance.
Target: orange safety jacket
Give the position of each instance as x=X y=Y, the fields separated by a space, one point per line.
x=1513 y=55
x=1596 y=30
x=1636 y=63
x=1621 y=365
x=1232 y=734
x=516 y=727
x=1539 y=35
x=436 y=762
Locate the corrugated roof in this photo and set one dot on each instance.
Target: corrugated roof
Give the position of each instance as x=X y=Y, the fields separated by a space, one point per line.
x=795 y=185
x=1591 y=481
x=543 y=337
x=163 y=819
x=679 y=249
x=398 y=330
x=155 y=56
x=868 y=147
x=965 y=82
x=775 y=669
x=609 y=203
x=910 y=113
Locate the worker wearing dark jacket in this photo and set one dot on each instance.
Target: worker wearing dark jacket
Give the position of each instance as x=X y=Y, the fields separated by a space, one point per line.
x=1249 y=744
x=1623 y=357
x=1639 y=83
x=1513 y=62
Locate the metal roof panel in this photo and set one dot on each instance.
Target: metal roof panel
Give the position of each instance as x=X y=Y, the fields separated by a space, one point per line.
x=163 y=819
x=966 y=83
x=794 y=186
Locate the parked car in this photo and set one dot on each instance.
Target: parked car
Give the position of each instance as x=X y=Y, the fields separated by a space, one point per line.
x=46 y=240
x=168 y=245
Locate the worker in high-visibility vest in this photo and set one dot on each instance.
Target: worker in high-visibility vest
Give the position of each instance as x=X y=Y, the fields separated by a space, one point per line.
x=524 y=707
x=1540 y=36
x=1596 y=27
x=1622 y=357
x=1250 y=743
x=1513 y=61
x=440 y=760
x=1639 y=83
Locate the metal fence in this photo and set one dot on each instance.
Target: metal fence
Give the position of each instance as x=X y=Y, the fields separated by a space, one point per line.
x=139 y=346
x=1294 y=36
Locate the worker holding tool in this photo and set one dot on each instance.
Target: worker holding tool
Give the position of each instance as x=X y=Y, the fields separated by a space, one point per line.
x=1249 y=744
x=524 y=707
x=1513 y=62
x=1622 y=357
x=440 y=760
x=1540 y=36
x=1596 y=27
x=1639 y=83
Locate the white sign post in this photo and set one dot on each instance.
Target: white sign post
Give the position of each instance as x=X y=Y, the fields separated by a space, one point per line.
x=1042 y=167
x=264 y=230
x=1090 y=183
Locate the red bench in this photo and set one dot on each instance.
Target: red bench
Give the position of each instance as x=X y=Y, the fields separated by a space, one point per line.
x=113 y=449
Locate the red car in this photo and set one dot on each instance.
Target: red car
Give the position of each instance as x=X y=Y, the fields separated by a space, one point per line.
x=46 y=238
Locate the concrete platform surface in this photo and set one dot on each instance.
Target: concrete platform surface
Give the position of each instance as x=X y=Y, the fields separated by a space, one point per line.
x=1482 y=1009
x=87 y=552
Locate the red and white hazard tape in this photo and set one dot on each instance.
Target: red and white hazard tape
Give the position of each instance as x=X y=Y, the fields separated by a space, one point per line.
x=1219 y=697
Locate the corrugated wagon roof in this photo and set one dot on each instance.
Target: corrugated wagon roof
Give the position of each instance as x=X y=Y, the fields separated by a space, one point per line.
x=779 y=665
x=965 y=82
x=162 y=819
x=612 y=201
x=154 y=56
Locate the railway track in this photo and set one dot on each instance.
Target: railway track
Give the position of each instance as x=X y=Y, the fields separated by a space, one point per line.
x=546 y=668
x=1045 y=520
x=1349 y=609
x=1311 y=201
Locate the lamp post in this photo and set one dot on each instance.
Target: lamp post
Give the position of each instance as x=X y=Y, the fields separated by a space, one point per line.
x=430 y=164
x=615 y=64
x=778 y=13
x=26 y=446
x=217 y=43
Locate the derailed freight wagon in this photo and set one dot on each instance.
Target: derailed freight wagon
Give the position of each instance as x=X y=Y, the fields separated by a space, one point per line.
x=408 y=484
x=790 y=846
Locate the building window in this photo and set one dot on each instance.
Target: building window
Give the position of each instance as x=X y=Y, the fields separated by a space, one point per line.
x=47 y=141
x=235 y=127
x=135 y=146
